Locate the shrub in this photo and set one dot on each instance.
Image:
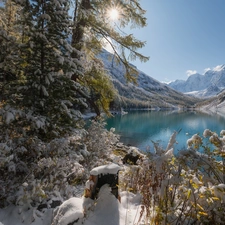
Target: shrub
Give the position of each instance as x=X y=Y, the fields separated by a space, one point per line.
x=188 y=188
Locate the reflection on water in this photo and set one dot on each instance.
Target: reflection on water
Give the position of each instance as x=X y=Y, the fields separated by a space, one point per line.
x=140 y=128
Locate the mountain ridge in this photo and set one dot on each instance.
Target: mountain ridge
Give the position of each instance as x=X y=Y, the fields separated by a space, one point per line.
x=148 y=93
x=208 y=84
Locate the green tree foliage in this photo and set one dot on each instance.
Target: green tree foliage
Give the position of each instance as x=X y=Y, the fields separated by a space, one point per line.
x=41 y=73
x=101 y=89
x=44 y=83
x=39 y=102
x=8 y=38
x=42 y=91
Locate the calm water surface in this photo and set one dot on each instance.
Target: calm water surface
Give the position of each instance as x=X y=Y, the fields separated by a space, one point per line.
x=140 y=128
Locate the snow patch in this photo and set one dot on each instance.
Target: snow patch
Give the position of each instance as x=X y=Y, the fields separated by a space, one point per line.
x=105 y=169
x=70 y=211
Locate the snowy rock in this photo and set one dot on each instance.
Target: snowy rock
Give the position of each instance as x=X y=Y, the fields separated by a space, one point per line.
x=131 y=158
x=106 y=169
x=69 y=212
x=106 y=210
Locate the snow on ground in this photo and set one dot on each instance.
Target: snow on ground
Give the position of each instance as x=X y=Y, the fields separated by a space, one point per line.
x=215 y=108
x=12 y=216
x=221 y=108
x=110 y=168
x=106 y=210
x=70 y=211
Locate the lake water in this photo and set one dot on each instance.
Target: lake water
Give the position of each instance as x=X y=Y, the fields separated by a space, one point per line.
x=140 y=128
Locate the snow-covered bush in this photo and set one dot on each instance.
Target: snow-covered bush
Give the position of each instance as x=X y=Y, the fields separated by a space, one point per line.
x=37 y=173
x=100 y=142
x=188 y=188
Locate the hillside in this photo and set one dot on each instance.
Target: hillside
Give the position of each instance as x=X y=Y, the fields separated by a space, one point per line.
x=215 y=104
x=207 y=85
x=147 y=93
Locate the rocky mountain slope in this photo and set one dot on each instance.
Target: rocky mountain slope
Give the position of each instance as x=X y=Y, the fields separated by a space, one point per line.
x=147 y=93
x=206 y=85
x=214 y=104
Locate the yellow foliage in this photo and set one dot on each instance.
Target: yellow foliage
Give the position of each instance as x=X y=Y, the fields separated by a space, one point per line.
x=189 y=193
x=194 y=185
x=200 y=207
x=203 y=213
x=215 y=198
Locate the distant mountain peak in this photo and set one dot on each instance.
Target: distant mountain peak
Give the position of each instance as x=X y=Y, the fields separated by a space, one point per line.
x=219 y=68
x=213 y=80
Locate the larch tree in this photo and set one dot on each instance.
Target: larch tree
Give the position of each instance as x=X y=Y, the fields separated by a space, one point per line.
x=93 y=28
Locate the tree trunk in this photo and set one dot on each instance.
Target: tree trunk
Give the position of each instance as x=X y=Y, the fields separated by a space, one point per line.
x=80 y=22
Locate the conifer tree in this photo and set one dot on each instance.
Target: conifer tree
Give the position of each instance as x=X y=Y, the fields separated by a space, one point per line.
x=39 y=102
x=43 y=92
x=8 y=36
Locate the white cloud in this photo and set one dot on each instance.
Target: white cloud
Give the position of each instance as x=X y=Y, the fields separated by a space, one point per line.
x=190 y=72
x=206 y=70
x=218 y=68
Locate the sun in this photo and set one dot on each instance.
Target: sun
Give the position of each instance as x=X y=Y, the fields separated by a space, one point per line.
x=113 y=14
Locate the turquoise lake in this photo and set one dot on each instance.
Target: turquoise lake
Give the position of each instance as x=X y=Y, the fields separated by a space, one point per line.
x=140 y=128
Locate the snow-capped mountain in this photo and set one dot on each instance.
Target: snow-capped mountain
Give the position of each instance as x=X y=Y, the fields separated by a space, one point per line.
x=206 y=85
x=147 y=93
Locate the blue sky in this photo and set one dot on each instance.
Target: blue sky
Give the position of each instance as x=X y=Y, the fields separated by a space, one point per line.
x=183 y=37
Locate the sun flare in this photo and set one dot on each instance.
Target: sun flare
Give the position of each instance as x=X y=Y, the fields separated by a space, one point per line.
x=113 y=14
